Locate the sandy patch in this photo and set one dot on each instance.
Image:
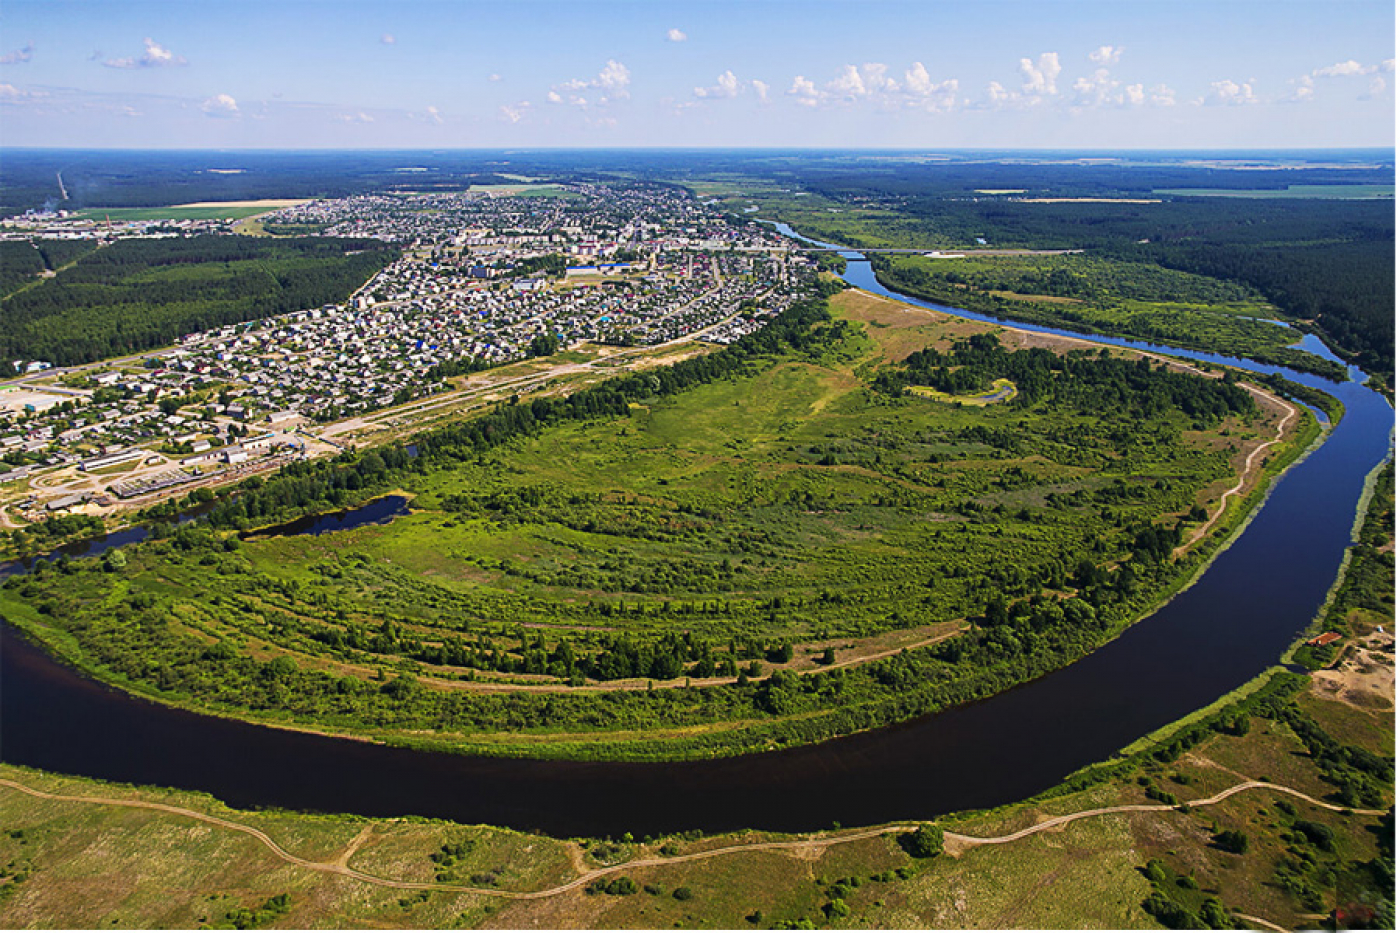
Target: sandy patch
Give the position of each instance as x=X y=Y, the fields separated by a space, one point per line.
x=1364 y=676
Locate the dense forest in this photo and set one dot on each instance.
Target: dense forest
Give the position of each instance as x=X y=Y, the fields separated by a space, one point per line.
x=1087 y=381
x=134 y=178
x=140 y=294
x=1345 y=290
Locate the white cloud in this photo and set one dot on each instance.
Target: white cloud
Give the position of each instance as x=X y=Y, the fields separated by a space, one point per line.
x=155 y=56
x=849 y=84
x=1106 y=55
x=872 y=82
x=805 y=91
x=1163 y=96
x=360 y=117
x=613 y=80
x=1100 y=89
x=1375 y=87
x=493 y=77
x=19 y=56
x=434 y=116
x=1096 y=90
x=514 y=113
x=10 y=92
x=1040 y=75
x=220 y=105
x=1302 y=91
x=917 y=81
x=1229 y=93
x=675 y=35
x=387 y=39
x=729 y=86
x=918 y=85
x=726 y=85
x=1344 y=69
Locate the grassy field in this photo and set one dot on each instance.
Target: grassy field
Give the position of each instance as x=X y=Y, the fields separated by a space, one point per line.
x=90 y=862
x=176 y=212
x=524 y=191
x=80 y=863
x=787 y=518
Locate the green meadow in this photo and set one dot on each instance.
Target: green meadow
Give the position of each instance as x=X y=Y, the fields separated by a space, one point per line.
x=761 y=544
x=217 y=212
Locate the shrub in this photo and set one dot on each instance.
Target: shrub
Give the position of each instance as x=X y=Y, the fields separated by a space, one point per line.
x=924 y=842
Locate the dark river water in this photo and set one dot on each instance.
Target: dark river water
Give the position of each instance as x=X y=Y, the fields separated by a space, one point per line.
x=1211 y=638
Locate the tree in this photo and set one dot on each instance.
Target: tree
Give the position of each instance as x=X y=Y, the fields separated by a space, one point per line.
x=1232 y=841
x=924 y=842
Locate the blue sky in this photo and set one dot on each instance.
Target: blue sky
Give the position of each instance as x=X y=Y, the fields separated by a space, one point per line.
x=862 y=73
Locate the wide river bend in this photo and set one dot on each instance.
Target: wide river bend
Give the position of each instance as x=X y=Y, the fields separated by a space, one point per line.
x=1229 y=626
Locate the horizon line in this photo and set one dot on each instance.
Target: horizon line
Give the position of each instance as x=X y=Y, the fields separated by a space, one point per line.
x=738 y=148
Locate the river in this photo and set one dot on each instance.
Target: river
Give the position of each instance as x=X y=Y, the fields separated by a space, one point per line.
x=1211 y=638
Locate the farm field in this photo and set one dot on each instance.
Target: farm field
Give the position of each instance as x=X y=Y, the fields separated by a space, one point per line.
x=232 y=210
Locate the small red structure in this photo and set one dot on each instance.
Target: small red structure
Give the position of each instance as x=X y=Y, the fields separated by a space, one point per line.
x=1326 y=638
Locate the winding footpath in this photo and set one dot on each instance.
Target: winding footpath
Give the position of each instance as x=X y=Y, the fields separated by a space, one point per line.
x=1249 y=468
x=340 y=866
x=1150 y=808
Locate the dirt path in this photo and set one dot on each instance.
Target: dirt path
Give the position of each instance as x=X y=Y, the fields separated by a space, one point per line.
x=805 y=846
x=337 y=868
x=1148 y=808
x=1251 y=468
x=343 y=860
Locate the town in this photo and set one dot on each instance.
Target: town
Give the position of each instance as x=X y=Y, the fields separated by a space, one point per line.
x=486 y=277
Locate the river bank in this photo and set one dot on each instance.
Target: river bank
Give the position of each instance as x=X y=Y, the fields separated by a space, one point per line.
x=1008 y=747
